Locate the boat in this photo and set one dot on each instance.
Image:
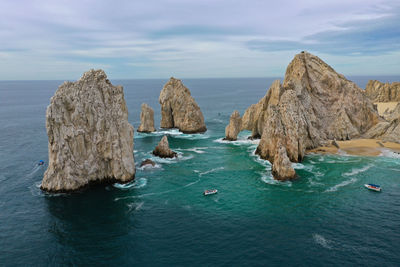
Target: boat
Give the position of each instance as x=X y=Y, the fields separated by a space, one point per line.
x=210 y=192
x=373 y=187
x=41 y=162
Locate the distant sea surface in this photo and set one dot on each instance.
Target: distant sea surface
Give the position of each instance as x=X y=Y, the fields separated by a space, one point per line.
x=326 y=217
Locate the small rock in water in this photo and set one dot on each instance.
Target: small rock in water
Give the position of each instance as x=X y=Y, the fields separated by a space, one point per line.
x=162 y=150
x=147 y=162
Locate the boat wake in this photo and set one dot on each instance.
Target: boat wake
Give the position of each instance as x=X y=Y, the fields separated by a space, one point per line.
x=355 y=171
x=198 y=150
x=134 y=206
x=210 y=171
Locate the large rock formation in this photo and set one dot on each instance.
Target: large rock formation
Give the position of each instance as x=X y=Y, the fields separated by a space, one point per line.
x=162 y=150
x=383 y=92
x=90 y=138
x=234 y=127
x=314 y=104
x=179 y=110
x=388 y=130
x=146 y=119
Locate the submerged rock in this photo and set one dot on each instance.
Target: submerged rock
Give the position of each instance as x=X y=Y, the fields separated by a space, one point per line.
x=314 y=104
x=146 y=119
x=234 y=127
x=162 y=150
x=179 y=110
x=147 y=162
x=383 y=92
x=90 y=138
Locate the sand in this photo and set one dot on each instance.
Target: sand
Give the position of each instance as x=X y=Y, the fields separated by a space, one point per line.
x=383 y=106
x=360 y=147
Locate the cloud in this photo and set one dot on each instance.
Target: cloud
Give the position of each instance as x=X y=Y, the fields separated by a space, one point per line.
x=218 y=38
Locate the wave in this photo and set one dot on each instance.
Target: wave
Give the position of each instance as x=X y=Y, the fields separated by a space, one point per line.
x=344 y=183
x=389 y=154
x=355 y=171
x=269 y=179
x=239 y=142
x=210 y=171
x=198 y=150
x=137 y=183
x=320 y=240
x=180 y=157
x=150 y=167
x=134 y=206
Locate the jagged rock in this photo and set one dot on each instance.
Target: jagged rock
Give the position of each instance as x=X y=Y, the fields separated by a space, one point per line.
x=282 y=168
x=146 y=119
x=335 y=144
x=147 y=162
x=179 y=110
x=234 y=127
x=90 y=138
x=383 y=92
x=314 y=104
x=162 y=150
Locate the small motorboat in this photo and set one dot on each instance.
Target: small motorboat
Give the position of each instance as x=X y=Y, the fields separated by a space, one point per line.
x=41 y=162
x=373 y=187
x=210 y=192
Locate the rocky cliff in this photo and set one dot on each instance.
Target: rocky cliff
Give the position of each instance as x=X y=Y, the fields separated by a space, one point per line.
x=383 y=92
x=234 y=127
x=90 y=138
x=314 y=104
x=146 y=119
x=179 y=110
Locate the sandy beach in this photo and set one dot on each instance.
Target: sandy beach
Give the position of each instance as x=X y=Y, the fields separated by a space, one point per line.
x=360 y=147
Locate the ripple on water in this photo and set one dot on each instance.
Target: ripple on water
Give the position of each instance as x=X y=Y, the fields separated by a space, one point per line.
x=322 y=241
x=137 y=183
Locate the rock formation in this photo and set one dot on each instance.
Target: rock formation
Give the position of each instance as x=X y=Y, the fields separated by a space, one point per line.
x=90 y=138
x=383 y=92
x=146 y=119
x=388 y=130
x=314 y=104
x=234 y=127
x=162 y=150
x=179 y=110
x=147 y=162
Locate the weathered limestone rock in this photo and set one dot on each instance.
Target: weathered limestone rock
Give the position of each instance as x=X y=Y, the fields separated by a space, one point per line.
x=90 y=138
x=388 y=130
x=314 y=104
x=179 y=110
x=162 y=150
x=383 y=92
x=147 y=162
x=234 y=127
x=146 y=119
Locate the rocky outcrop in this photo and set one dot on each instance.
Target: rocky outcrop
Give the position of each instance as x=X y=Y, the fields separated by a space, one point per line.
x=388 y=130
x=162 y=150
x=234 y=127
x=179 y=110
x=90 y=138
x=314 y=104
x=147 y=162
x=383 y=92
x=146 y=119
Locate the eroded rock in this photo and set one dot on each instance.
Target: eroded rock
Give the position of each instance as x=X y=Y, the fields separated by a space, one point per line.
x=90 y=138
x=179 y=109
x=147 y=162
x=146 y=119
x=234 y=127
x=162 y=150
x=383 y=92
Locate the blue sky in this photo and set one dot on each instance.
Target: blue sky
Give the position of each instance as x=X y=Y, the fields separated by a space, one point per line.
x=193 y=39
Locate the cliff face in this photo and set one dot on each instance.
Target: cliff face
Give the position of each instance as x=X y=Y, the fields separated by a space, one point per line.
x=314 y=104
x=90 y=138
x=179 y=110
x=146 y=119
x=383 y=92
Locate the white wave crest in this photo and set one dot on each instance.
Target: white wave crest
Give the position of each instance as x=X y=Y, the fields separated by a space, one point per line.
x=320 y=240
x=389 y=154
x=239 y=142
x=269 y=179
x=137 y=183
x=210 y=171
x=198 y=150
x=150 y=167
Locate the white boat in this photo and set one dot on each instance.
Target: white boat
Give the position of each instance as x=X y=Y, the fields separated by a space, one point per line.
x=210 y=192
x=373 y=187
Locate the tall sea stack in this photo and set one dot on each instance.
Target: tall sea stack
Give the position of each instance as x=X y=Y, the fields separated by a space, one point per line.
x=90 y=138
x=179 y=110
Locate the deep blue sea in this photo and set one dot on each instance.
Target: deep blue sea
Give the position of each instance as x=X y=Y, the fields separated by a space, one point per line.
x=326 y=217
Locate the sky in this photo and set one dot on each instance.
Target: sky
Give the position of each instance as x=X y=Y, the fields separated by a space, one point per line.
x=131 y=39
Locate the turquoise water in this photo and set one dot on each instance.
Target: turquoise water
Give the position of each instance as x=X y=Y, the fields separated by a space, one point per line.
x=325 y=217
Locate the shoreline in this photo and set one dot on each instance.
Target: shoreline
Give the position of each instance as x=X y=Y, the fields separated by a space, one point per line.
x=358 y=147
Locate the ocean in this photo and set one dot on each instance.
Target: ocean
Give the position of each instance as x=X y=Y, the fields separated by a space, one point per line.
x=325 y=217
